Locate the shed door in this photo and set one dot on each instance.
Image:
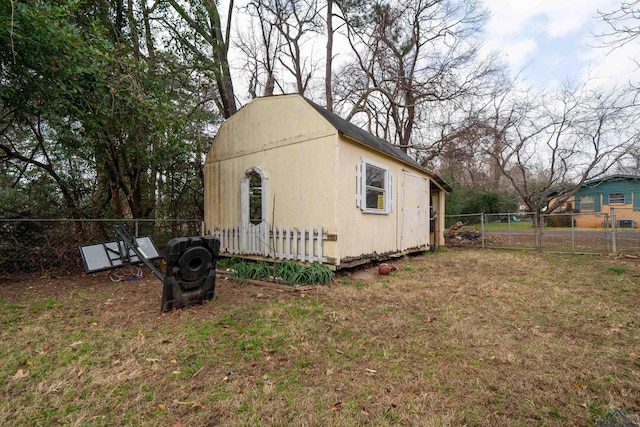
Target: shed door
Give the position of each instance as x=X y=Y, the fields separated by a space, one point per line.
x=414 y=211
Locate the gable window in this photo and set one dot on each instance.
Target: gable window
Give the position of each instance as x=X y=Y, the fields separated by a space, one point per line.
x=616 y=199
x=374 y=188
x=588 y=203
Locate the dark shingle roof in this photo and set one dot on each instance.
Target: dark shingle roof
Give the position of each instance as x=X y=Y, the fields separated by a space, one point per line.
x=379 y=144
x=610 y=178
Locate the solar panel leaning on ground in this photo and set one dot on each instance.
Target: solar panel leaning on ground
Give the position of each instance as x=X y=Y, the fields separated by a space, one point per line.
x=190 y=264
x=107 y=256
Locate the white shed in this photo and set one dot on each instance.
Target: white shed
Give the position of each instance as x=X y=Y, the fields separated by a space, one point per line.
x=287 y=179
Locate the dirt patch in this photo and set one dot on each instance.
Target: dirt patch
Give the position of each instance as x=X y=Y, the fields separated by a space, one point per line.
x=367 y=274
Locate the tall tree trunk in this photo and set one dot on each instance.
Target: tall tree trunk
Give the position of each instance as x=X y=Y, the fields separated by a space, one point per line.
x=133 y=30
x=224 y=81
x=218 y=41
x=329 y=60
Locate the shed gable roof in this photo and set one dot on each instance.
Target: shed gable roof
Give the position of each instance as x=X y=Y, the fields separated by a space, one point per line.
x=379 y=144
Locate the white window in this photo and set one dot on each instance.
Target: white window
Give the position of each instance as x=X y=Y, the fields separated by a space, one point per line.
x=253 y=193
x=616 y=199
x=255 y=198
x=374 y=188
x=587 y=203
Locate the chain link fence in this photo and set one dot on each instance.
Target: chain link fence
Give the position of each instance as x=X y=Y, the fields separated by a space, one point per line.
x=43 y=245
x=626 y=227
x=576 y=233
x=613 y=232
x=512 y=231
x=39 y=245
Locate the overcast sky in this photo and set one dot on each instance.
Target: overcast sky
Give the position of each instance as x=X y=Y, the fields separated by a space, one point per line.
x=552 y=40
x=548 y=41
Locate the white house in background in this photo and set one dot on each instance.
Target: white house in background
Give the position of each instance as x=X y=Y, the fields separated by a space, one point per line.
x=287 y=179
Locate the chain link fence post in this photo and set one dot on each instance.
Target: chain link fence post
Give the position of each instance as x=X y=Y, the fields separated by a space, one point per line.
x=539 y=230
x=614 y=232
x=573 y=233
x=482 y=233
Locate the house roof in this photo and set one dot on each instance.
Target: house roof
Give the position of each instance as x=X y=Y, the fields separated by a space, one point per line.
x=611 y=178
x=379 y=144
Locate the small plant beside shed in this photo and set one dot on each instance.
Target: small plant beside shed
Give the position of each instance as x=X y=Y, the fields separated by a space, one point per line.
x=289 y=273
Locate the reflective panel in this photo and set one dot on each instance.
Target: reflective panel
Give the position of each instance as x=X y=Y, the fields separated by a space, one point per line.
x=106 y=256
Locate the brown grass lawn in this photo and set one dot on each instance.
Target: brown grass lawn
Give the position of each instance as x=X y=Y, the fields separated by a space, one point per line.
x=485 y=338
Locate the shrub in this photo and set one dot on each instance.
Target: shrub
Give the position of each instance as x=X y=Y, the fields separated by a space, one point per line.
x=289 y=272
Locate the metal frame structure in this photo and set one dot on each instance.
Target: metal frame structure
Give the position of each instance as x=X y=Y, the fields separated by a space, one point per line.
x=190 y=264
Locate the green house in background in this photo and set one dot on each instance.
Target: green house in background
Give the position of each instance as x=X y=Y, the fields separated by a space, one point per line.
x=614 y=193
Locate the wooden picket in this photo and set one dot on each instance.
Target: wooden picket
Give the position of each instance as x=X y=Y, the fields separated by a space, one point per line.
x=305 y=245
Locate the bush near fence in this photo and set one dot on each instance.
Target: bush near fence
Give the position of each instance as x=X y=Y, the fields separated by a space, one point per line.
x=39 y=245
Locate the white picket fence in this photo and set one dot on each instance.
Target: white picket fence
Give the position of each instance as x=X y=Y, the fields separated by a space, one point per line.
x=298 y=244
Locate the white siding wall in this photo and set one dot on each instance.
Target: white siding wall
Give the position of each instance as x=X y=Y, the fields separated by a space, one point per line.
x=294 y=146
x=362 y=233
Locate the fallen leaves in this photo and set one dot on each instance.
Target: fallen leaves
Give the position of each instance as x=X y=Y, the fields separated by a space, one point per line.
x=194 y=404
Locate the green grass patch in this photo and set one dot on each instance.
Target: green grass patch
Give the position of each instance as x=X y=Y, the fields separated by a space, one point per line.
x=490 y=226
x=458 y=338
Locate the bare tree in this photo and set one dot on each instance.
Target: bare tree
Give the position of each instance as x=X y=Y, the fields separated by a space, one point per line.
x=474 y=146
x=412 y=56
x=623 y=24
x=552 y=147
x=261 y=46
x=296 y=22
x=630 y=163
x=623 y=28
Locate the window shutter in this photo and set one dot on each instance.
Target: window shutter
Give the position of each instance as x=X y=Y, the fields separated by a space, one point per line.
x=627 y=198
x=636 y=202
x=596 y=203
x=390 y=195
x=605 y=199
x=359 y=186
